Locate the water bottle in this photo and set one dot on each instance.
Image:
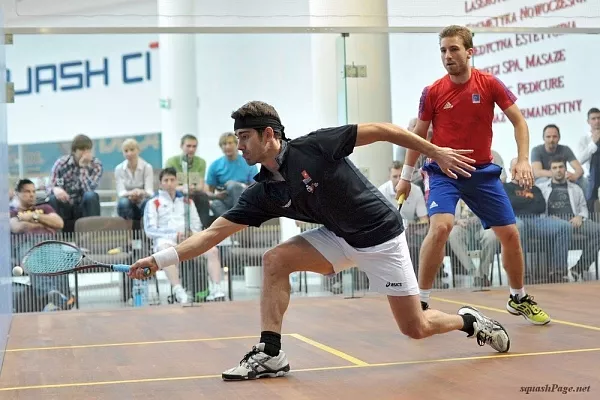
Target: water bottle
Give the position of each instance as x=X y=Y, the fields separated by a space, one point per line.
x=140 y=292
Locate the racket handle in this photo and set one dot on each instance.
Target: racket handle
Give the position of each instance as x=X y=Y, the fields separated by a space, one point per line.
x=400 y=201
x=127 y=268
x=121 y=268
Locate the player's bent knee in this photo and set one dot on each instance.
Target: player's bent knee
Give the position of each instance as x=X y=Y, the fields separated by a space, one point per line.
x=409 y=317
x=274 y=263
x=415 y=329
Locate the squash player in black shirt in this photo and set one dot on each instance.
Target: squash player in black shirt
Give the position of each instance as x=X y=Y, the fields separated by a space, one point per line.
x=311 y=179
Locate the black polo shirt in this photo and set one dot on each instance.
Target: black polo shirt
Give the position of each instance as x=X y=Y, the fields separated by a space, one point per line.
x=321 y=186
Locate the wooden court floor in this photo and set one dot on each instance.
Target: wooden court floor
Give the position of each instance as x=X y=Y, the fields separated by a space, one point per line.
x=338 y=349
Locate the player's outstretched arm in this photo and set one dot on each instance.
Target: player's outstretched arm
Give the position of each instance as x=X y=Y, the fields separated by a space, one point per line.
x=193 y=246
x=448 y=159
x=420 y=130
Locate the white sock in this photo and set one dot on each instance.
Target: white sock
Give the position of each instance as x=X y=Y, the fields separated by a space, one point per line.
x=424 y=294
x=520 y=293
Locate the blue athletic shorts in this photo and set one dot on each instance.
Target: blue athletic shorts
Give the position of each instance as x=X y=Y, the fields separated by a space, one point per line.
x=483 y=193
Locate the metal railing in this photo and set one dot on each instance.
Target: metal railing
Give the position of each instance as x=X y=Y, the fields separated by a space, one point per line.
x=556 y=251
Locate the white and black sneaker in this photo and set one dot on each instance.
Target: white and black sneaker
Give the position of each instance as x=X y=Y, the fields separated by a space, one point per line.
x=257 y=364
x=487 y=330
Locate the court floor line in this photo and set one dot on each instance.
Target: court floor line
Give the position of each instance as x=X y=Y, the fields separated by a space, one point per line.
x=330 y=350
x=555 y=321
x=198 y=377
x=85 y=346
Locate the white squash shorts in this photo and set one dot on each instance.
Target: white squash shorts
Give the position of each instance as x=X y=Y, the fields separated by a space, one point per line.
x=388 y=265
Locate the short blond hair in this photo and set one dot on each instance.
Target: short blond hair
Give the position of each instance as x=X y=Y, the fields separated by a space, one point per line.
x=130 y=143
x=223 y=138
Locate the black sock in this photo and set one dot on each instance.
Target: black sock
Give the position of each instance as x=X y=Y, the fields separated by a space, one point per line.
x=468 y=321
x=272 y=341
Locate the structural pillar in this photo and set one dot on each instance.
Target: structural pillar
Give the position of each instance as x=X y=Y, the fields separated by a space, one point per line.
x=6 y=296
x=359 y=99
x=178 y=91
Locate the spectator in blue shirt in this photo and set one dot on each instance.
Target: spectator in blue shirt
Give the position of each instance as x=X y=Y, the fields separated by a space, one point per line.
x=229 y=175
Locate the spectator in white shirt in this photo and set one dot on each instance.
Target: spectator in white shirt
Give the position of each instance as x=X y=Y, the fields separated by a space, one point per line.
x=590 y=158
x=414 y=208
x=169 y=219
x=135 y=182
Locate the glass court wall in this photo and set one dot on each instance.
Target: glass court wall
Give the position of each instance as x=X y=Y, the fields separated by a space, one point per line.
x=115 y=86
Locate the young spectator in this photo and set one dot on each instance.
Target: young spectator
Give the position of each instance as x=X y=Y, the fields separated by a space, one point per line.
x=168 y=220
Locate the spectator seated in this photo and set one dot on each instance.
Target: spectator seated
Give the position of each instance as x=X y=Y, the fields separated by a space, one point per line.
x=134 y=181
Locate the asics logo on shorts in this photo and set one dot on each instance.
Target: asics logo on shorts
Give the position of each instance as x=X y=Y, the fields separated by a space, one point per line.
x=393 y=284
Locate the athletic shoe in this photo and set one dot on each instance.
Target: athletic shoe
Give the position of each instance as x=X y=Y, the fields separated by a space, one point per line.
x=257 y=364
x=424 y=306
x=528 y=309
x=181 y=295
x=487 y=330
x=215 y=292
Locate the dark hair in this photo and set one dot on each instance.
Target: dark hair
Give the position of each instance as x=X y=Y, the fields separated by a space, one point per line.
x=259 y=109
x=551 y=126
x=461 y=31
x=255 y=109
x=22 y=183
x=167 y=171
x=81 y=142
x=188 y=137
x=593 y=110
x=558 y=159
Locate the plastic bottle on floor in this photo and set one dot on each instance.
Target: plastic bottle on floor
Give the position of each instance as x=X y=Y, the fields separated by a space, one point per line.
x=140 y=293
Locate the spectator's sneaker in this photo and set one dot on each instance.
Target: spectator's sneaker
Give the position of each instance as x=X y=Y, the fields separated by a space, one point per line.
x=51 y=307
x=181 y=295
x=528 y=309
x=487 y=331
x=60 y=301
x=217 y=295
x=215 y=292
x=257 y=364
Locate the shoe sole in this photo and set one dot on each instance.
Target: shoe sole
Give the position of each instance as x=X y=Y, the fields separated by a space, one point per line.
x=220 y=298
x=282 y=372
x=517 y=313
x=496 y=322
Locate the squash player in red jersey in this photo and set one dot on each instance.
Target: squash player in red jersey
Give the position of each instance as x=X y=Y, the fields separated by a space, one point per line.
x=461 y=108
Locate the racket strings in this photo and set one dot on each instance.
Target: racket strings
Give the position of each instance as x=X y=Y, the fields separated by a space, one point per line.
x=51 y=258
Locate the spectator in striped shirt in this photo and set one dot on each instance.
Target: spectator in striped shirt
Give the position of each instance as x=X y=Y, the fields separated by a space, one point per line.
x=73 y=182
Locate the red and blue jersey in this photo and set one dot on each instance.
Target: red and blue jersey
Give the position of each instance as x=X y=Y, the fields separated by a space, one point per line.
x=462 y=114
